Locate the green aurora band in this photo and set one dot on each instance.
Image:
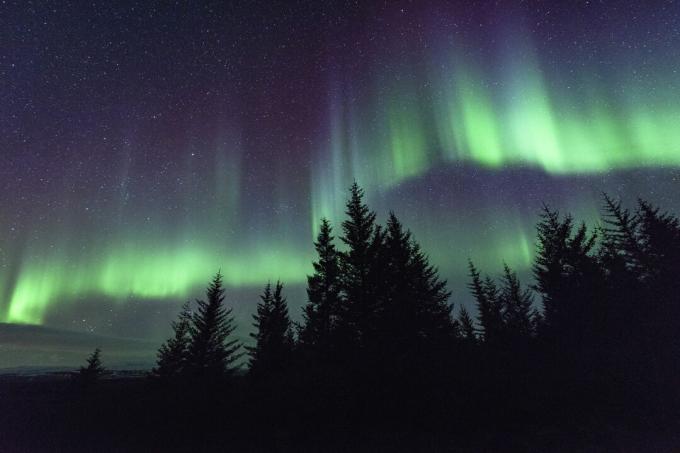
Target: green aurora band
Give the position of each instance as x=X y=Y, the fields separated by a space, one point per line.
x=144 y=273
x=460 y=114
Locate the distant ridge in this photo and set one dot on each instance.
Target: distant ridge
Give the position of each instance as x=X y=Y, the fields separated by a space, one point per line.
x=27 y=349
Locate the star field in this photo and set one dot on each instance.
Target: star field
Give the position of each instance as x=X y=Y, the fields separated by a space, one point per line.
x=144 y=145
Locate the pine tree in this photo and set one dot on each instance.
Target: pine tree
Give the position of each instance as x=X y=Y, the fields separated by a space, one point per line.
x=467 y=325
x=567 y=279
x=516 y=304
x=621 y=249
x=212 y=352
x=320 y=315
x=488 y=307
x=627 y=272
x=399 y=321
x=358 y=268
x=94 y=369
x=659 y=241
x=273 y=336
x=415 y=317
x=172 y=355
x=659 y=237
x=434 y=296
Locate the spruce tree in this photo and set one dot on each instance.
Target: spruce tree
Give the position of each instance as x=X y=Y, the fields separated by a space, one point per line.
x=358 y=266
x=488 y=307
x=273 y=337
x=415 y=318
x=321 y=314
x=399 y=321
x=213 y=352
x=172 y=355
x=659 y=239
x=516 y=304
x=467 y=325
x=627 y=271
x=568 y=281
x=94 y=369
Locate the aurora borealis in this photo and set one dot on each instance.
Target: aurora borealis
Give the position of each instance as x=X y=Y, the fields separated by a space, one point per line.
x=144 y=145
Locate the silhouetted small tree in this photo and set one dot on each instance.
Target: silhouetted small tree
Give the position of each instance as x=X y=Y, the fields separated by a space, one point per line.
x=173 y=354
x=273 y=336
x=213 y=352
x=466 y=325
x=94 y=369
x=516 y=305
x=489 y=311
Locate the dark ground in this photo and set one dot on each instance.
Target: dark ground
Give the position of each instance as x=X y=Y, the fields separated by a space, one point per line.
x=53 y=413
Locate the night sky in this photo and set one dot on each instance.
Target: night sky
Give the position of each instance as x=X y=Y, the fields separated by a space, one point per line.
x=145 y=145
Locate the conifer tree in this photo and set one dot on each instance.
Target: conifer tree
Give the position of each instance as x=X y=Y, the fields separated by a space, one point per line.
x=488 y=307
x=433 y=294
x=467 y=326
x=415 y=318
x=321 y=314
x=659 y=239
x=358 y=267
x=399 y=303
x=213 y=352
x=273 y=336
x=516 y=304
x=94 y=369
x=627 y=271
x=172 y=355
x=622 y=249
x=567 y=279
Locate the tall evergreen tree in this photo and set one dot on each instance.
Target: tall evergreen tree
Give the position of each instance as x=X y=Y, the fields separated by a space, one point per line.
x=568 y=280
x=659 y=241
x=624 y=263
x=358 y=266
x=172 y=355
x=488 y=307
x=399 y=321
x=321 y=314
x=213 y=352
x=659 y=237
x=622 y=250
x=415 y=318
x=516 y=304
x=467 y=325
x=273 y=337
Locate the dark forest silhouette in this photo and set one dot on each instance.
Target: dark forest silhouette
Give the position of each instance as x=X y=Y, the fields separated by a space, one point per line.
x=380 y=343
x=380 y=358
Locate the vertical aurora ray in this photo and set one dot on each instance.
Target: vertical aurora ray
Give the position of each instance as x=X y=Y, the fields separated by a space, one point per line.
x=461 y=126
x=408 y=145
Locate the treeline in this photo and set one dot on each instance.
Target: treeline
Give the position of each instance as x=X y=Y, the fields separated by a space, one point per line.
x=599 y=325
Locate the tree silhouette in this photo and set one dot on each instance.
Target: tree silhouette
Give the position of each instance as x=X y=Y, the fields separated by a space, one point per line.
x=363 y=240
x=173 y=354
x=516 y=305
x=489 y=312
x=641 y=260
x=569 y=282
x=467 y=325
x=212 y=352
x=415 y=304
x=379 y=351
x=321 y=314
x=94 y=369
x=273 y=337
